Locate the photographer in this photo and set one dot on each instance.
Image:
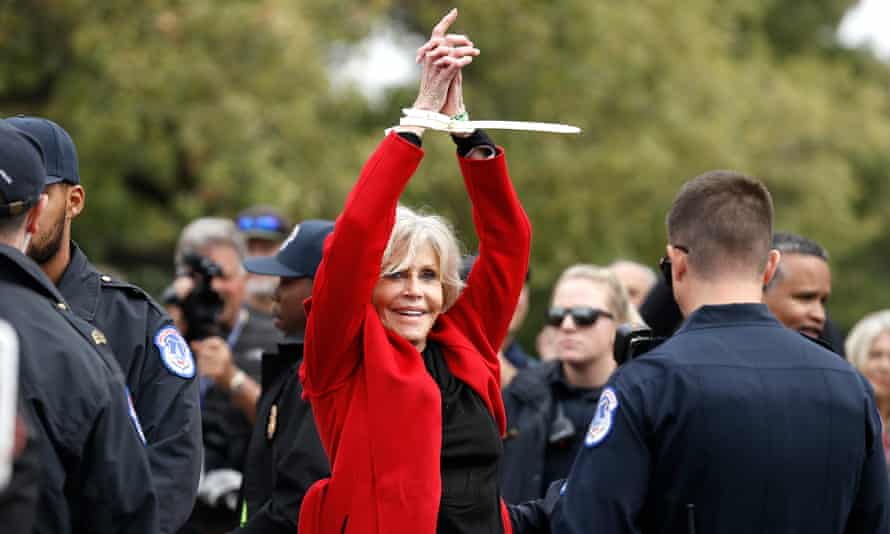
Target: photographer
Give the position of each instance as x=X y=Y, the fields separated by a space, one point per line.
x=228 y=339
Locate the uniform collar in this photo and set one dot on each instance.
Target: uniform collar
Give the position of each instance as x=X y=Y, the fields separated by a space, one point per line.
x=26 y=266
x=290 y=351
x=80 y=284
x=709 y=316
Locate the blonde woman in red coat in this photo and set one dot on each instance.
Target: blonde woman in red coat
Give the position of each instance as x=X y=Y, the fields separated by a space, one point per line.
x=400 y=361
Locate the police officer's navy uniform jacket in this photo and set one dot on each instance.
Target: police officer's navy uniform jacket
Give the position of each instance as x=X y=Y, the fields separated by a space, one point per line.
x=162 y=384
x=736 y=425
x=285 y=456
x=96 y=476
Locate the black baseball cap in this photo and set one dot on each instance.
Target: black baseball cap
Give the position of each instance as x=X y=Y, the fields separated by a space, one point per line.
x=59 y=153
x=300 y=254
x=21 y=171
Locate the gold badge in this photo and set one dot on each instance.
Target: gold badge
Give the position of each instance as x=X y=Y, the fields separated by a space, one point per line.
x=273 y=421
x=99 y=337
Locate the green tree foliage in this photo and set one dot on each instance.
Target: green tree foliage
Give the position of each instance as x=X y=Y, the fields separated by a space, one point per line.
x=182 y=109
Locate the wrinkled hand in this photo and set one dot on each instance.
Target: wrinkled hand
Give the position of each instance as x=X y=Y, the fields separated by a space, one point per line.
x=214 y=359
x=442 y=57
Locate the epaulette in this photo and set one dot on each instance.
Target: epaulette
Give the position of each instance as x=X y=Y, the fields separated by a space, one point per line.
x=133 y=290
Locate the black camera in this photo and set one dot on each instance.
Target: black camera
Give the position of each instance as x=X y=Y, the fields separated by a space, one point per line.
x=202 y=306
x=632 y=341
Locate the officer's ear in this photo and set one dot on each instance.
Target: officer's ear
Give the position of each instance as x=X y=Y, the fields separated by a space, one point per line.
x=76 y=197
x=679 y=261
x=772 y=263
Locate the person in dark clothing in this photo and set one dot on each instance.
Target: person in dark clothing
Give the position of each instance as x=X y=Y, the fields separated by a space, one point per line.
x=735 y=423
x=96 y=476
x=155 y=360
x=284 y=456
x=549 y=406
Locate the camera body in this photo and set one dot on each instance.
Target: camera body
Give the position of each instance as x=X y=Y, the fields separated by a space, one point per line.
x=202 y=306
x=632 y=341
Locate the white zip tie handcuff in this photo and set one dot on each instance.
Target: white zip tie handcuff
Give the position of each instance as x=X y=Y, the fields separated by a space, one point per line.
x=461 y=123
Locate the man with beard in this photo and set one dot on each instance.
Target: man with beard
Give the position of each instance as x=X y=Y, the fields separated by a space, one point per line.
x=95 y=474
x=155 y=360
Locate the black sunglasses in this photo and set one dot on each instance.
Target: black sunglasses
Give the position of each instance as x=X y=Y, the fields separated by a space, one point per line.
x=664 y=265
x=581 y=315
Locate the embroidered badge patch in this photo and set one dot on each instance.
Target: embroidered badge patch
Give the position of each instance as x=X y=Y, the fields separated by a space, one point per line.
x=175 y=352
x=602 y=420
x=133 y=416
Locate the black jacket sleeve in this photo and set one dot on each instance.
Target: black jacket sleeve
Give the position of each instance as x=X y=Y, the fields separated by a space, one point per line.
x=300 y=461
x=116 y=491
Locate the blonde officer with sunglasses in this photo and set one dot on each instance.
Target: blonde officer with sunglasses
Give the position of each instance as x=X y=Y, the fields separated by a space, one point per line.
x=549 y=406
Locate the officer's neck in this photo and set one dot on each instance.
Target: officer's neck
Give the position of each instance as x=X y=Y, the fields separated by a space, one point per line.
x=589 y=374
x=55 y=267
x=696 y=293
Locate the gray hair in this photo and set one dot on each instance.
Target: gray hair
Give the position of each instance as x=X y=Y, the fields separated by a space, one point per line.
x=618 y=301
x=864 y=334
x=788 y=243
x=209 y=231
x=411 y=231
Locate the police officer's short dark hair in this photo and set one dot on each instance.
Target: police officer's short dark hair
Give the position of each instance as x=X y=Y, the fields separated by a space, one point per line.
x=725 y=220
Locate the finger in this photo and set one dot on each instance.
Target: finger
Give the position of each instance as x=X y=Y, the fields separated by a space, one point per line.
x=453 y=39
x=443 y=25
x=429 y=45
x=461 y=51
x=451 y=62
x=439 y=51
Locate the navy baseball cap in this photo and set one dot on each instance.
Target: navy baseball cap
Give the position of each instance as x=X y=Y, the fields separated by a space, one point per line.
x=263 y=222
x=300 y=254
x=59 y=154
x=21 y=171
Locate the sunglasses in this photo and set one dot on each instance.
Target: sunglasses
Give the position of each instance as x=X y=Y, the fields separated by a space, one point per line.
x=664 y=265
x=268 y=223
x=581 y=315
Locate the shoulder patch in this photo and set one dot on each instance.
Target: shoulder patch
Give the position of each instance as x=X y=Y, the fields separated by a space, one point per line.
x=602 y=420
x=175 y=352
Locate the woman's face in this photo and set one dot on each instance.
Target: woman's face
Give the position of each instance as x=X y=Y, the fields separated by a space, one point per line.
x=409 y=301
x=877 y=366
x=583 y=344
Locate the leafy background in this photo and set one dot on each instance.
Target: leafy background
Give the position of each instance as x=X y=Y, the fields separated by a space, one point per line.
x=203 y=107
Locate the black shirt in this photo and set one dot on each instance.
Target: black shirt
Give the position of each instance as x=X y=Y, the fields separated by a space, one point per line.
x=471 y=449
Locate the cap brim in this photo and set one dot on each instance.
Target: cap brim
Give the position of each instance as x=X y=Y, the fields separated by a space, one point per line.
x=270 y=266
x=50 y=180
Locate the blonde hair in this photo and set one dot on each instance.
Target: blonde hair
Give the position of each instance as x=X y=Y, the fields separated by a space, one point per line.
x=410 y=232
x=618 y=301
x=864 y=334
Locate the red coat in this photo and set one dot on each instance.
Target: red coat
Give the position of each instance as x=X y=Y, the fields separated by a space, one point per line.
x=377 y=408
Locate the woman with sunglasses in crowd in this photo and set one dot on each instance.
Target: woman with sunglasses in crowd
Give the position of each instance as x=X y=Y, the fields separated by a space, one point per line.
x=400 y=365
x=550 y=406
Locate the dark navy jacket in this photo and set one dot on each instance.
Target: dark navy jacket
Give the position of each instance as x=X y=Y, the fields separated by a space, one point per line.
x=285 y=456
x=165 y=396
x=735 y=424
x=96 y=477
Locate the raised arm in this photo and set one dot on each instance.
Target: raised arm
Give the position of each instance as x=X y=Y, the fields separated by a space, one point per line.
x=353 y=252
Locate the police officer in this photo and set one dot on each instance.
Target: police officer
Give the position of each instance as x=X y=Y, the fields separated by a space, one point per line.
x=96 y=476
x=285 y=455
x=734 y=424
x=156 y=361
